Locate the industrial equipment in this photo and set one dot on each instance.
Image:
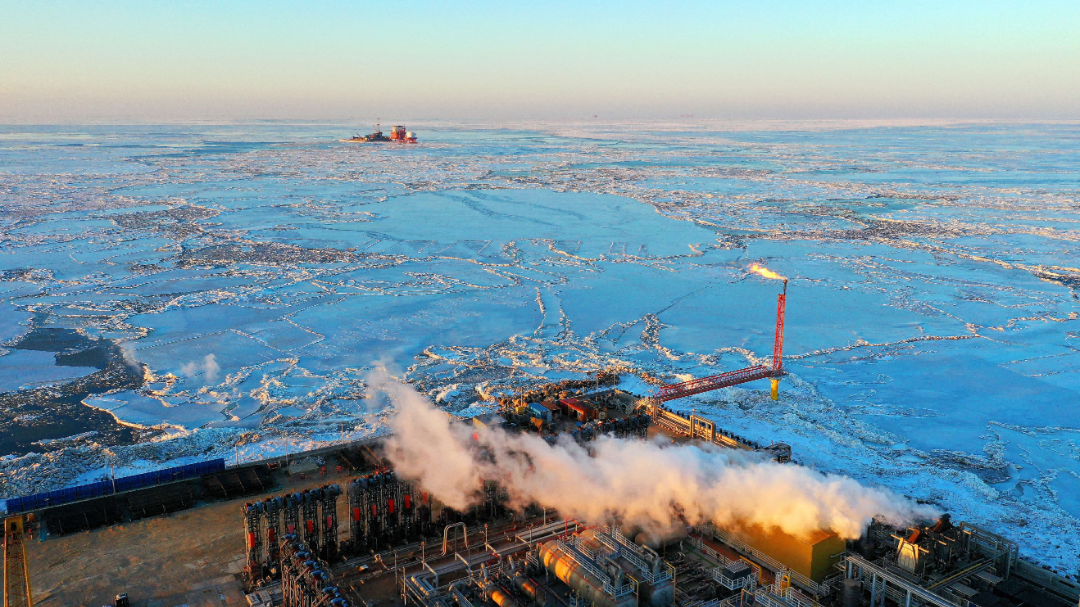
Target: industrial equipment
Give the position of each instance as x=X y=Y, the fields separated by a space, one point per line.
x=398 y=134
x=291 y=509
x=253 y=533
x=306 y=580
x=739 y=376
x=16 y=574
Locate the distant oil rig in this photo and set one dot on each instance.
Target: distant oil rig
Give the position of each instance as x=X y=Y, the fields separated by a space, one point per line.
x=398 y=134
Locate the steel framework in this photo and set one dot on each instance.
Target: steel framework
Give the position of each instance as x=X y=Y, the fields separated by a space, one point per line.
x=291 y=513
x=272 y=512
x=778 y=343
x=328 y=502
x=740 y=376
x=714 y=382
x=16 y=575
x=309 y=509
x=253 y=533
x=306 y=580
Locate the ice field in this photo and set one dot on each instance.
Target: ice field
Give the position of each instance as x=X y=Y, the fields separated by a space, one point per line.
x=260 y=272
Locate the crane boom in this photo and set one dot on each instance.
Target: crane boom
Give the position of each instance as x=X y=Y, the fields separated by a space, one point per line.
x=740 y=376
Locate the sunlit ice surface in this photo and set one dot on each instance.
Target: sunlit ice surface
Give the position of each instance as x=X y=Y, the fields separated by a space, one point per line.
x=172 y=293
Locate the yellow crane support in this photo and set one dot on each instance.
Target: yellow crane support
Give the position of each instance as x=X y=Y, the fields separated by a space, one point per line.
x=16 y=574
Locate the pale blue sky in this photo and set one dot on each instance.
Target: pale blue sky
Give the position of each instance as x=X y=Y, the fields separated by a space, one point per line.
x=145 y=60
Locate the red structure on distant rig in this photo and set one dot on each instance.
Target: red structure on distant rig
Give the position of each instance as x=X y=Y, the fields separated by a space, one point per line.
x=740 y=376
x=398 y=134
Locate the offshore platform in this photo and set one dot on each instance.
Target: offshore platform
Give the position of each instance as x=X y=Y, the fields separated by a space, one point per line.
x=375 y=539
x=398 y=134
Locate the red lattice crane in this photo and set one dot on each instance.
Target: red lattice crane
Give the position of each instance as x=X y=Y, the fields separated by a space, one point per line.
x=740 y=376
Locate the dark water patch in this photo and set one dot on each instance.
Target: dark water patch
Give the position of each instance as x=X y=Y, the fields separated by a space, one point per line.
x=1071 y=281
x=214 y=148
x=176 y=222
x=264 y=253
x=46 y=339
x=30 y=419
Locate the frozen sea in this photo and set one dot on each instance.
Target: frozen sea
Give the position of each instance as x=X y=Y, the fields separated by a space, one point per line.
x=260 y=272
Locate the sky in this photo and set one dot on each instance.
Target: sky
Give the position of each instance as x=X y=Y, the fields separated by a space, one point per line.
x=149 y=60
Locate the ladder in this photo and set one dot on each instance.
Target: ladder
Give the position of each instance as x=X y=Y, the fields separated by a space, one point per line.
x=16 y=575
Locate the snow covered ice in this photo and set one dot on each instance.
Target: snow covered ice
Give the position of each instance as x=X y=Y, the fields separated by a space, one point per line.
x=259 y=273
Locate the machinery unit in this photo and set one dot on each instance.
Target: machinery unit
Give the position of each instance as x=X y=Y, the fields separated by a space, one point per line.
x=635 y=426
x=291 y=513
x=811 y=558
x=328 y=496
x=300 y=515
x=385 y=511
x=692 y=426
x=735 y=575
x=607 y=570
x=939 y=564
x=309 y=518
x=306 y=581
x=272 y=523
x=253 y=533
x=597 y=567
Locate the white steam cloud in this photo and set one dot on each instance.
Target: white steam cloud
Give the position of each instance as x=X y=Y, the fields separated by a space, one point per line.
x=209 y=368
x=128 y=352
x=631 y=481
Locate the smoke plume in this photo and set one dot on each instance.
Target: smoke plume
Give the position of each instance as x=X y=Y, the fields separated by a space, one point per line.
x=208 y=368
x=634 y=482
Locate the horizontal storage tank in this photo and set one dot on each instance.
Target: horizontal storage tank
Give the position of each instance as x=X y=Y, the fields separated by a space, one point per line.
x=539 y=596
x=570 y=572
x=502 y=598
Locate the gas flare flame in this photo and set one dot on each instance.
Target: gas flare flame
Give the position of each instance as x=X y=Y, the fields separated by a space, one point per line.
x=766 y=272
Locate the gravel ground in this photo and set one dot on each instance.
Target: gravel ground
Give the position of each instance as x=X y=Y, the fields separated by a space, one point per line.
x=189 y=558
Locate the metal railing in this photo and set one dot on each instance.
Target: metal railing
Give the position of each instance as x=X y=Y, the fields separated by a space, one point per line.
x=714 y=382
x=620 y=546
x=700 y=545
x=901 y=591
x=460 y=598
x=768 y=599
x=588 y=565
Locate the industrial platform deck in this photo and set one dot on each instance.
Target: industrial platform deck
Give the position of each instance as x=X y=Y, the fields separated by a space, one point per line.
x=192 y=557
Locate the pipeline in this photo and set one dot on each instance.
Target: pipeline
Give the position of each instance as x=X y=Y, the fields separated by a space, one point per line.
x=533 y=591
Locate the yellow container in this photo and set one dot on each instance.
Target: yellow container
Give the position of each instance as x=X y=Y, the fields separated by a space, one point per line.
x=813 y=556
